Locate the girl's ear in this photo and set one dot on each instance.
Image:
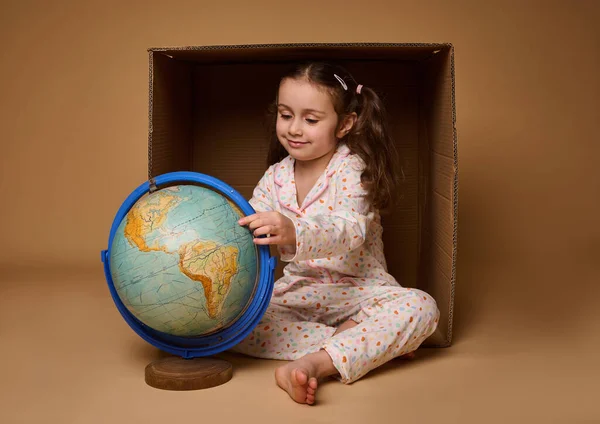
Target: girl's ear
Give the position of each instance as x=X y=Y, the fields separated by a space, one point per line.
x=346 y=125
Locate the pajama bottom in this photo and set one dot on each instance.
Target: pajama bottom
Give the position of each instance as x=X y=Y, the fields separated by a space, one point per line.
x=392 y=321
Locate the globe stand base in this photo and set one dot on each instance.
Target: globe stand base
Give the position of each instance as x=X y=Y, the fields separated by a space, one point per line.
x=176 y=373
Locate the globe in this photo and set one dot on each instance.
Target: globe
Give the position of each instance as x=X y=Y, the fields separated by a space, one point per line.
x=184 y=274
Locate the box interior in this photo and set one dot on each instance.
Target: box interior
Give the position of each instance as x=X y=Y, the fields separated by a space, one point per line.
x=208 y=114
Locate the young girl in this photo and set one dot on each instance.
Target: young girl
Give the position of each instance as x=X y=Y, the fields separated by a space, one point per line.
x=336 y=311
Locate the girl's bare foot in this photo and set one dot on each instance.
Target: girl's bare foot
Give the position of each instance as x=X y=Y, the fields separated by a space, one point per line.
x=300 y=377
x=298 y=382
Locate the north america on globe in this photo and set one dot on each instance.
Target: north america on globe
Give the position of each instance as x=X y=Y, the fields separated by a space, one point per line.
x=181 y=263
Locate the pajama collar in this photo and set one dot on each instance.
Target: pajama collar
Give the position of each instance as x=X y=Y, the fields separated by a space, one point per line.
x=286 y=187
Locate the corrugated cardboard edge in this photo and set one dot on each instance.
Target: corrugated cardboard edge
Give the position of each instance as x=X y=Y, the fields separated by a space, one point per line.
x=450 y=46
x=150 y=109
x=294 y=45
x=454 y=201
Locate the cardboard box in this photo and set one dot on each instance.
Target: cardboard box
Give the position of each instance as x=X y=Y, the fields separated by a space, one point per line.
x=207 y=114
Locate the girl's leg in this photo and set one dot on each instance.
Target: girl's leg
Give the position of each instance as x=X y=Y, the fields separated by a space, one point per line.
x=285 y=334
x=295 y=327
x=393 y=321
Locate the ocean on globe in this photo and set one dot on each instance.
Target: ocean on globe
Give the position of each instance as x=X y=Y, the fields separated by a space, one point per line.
x=180 y=262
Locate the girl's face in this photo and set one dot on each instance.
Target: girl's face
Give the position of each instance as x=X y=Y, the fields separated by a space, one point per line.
x=306 y=121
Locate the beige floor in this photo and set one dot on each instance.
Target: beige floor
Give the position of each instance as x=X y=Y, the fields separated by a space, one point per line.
x=68 y=357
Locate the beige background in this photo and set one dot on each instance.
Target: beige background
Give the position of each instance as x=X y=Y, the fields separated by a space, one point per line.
x=73 y=120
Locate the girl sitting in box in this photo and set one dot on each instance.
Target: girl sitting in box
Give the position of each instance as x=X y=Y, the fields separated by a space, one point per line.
x=336 y=311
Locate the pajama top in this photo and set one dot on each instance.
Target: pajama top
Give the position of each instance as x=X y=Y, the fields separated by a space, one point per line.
x=338 y=233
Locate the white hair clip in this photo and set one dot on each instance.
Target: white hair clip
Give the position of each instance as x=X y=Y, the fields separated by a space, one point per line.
x=341 y=82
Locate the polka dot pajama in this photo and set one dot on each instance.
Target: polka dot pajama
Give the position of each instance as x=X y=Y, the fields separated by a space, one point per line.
x=335 y=272
x=392 y=321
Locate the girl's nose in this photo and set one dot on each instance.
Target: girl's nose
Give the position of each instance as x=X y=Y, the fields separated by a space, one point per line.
x=295 y=127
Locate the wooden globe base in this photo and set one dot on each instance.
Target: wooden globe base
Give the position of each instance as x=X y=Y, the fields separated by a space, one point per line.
x=175 y=373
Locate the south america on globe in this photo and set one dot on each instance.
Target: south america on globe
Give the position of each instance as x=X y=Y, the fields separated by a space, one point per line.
x=181 y=264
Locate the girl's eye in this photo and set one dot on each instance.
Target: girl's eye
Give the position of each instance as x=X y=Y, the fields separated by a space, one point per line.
x=286 y=117
x=312 y=121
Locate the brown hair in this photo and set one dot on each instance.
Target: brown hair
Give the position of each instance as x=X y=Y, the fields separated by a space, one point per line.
x=369 y=137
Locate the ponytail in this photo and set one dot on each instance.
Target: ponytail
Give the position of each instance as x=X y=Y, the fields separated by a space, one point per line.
x=371 y=140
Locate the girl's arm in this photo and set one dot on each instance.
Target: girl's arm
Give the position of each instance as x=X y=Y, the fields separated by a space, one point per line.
x=339 y=231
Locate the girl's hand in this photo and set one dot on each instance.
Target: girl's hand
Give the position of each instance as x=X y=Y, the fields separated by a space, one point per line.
x=278 y=228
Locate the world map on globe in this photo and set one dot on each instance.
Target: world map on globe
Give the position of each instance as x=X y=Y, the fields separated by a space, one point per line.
x=181 y=263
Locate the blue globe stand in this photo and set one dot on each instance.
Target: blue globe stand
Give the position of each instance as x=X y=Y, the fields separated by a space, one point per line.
x=190 y=368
